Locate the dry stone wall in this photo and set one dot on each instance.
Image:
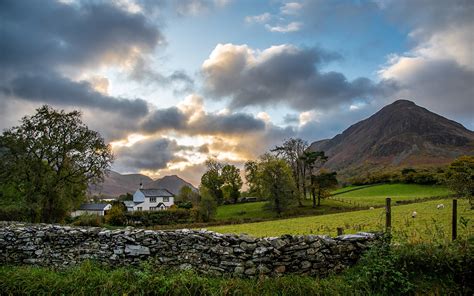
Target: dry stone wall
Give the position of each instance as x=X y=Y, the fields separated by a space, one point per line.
x=204 y=251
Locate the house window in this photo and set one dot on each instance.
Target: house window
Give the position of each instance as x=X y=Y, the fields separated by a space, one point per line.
x=166 y=199
x=152 y=199
x=152 y=208
x=139 y=208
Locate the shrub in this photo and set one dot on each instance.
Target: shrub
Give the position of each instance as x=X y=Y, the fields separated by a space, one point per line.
x=166 y=217
x=116 y=215
x=89 y=220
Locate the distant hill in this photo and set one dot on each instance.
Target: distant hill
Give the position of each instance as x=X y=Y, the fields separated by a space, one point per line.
x=400 y=134
x=172 y=183
x=116 y=184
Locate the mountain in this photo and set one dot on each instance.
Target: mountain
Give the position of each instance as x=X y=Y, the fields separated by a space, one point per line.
x=172 y=183
x=400 y=134
x=116 y=184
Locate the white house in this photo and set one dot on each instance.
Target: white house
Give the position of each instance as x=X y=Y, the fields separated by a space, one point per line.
x=91 y=208
x=150 y=200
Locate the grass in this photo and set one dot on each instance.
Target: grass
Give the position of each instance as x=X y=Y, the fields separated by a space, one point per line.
x=257 y=210
x=375 y=195
x=429 y=222
x=418 y=269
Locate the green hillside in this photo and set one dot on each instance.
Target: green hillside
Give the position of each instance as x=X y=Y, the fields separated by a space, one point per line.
x=375 y=195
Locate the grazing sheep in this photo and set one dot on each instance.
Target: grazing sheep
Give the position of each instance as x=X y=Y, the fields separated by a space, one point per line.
x=371 y=208
x=413 y=215
x=440 y=206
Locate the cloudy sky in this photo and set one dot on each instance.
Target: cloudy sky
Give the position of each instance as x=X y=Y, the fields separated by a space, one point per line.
x=171 y=83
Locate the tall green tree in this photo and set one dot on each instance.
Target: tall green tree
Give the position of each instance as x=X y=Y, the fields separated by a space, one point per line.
x=313 y=161
x=323 y=183
x=207 y=207
x=48 y=161
x=231 y=178
x=278 y=184
x=291 y=151
x=212 y=180
x=253 y=179
x=460 y=177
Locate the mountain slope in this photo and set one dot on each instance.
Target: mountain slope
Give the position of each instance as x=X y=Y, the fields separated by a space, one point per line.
x=173 y=183
x=116 y=184
x=400 y=134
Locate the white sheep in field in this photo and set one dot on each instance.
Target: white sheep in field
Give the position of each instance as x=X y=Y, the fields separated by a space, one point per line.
x=371 y=208
x=413 y=215
x=440 y=206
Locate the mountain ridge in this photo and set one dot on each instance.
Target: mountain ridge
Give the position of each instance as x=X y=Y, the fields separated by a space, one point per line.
x=399 y=134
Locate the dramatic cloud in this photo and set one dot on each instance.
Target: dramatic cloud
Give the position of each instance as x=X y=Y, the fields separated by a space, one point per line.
x=150 y=154
x=438 y=71
x=282 y=73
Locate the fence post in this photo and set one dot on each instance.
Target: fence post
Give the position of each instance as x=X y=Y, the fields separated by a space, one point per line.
x=339 y=231
x=388 y=215
x=455 y=219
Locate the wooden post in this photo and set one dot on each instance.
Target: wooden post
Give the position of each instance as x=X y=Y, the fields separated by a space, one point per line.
x=455 y=218
x=388 y=215
x=340 y=231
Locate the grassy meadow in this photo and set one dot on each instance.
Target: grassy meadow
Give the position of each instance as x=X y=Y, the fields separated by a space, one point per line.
x=375 y=195
x=430 y=223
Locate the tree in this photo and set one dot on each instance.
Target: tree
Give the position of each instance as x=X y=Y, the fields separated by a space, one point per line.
x=212 y=180
x=291 y=151
x=48 y=161
x=323 y=183
x=312 y=161
x=187 y=197
x=231 y=179
x=460 y=177
x=252 y=177
x=278 y=185
x=207 y=207
x=116 y=215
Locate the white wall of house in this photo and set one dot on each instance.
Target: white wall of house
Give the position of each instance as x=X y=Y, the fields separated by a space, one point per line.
x=151 y=204
x=99 y=213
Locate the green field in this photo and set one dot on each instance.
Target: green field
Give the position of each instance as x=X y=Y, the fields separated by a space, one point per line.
x=375 y=195
x=429 y=224
x=257 y=210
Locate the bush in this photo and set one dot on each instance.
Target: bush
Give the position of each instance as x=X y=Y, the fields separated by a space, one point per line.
x=116 y=215
x=88 y=220
x=166 y=217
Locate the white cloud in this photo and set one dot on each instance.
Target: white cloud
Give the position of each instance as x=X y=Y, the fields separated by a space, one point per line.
x=291 y=8
x=291 y=27
x=260 y=19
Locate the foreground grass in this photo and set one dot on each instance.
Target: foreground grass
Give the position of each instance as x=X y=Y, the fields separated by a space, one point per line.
x=413 y=269
x=375 y=195
x=429 y=223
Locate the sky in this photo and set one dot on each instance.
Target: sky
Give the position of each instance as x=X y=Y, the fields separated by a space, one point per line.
x=171 y=83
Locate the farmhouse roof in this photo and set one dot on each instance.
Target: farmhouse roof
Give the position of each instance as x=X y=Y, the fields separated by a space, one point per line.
x=160 y=192
x=93 y=207
x=131 y=203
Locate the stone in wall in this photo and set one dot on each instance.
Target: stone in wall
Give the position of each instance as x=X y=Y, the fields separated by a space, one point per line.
x=204 y=251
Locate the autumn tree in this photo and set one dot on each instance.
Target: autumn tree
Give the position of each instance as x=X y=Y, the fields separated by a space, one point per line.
x=212 y=180
x=278 y=185
x=460 y=177
x=291 y=151
x=232 y=180
x=48 y=161
x=252 y=177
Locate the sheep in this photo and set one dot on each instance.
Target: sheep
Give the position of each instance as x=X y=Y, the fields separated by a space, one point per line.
x=413 y=215
x=371 y=208
x=440 y=206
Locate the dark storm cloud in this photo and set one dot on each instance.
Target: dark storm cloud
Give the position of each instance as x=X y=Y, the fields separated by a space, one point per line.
x=152 y=154
x=282 y=74
x=206 y=124
x=164 y=119
x=54 y=89
x=45 y=34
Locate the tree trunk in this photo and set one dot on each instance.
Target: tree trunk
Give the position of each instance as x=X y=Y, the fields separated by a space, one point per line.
x=319 y=197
